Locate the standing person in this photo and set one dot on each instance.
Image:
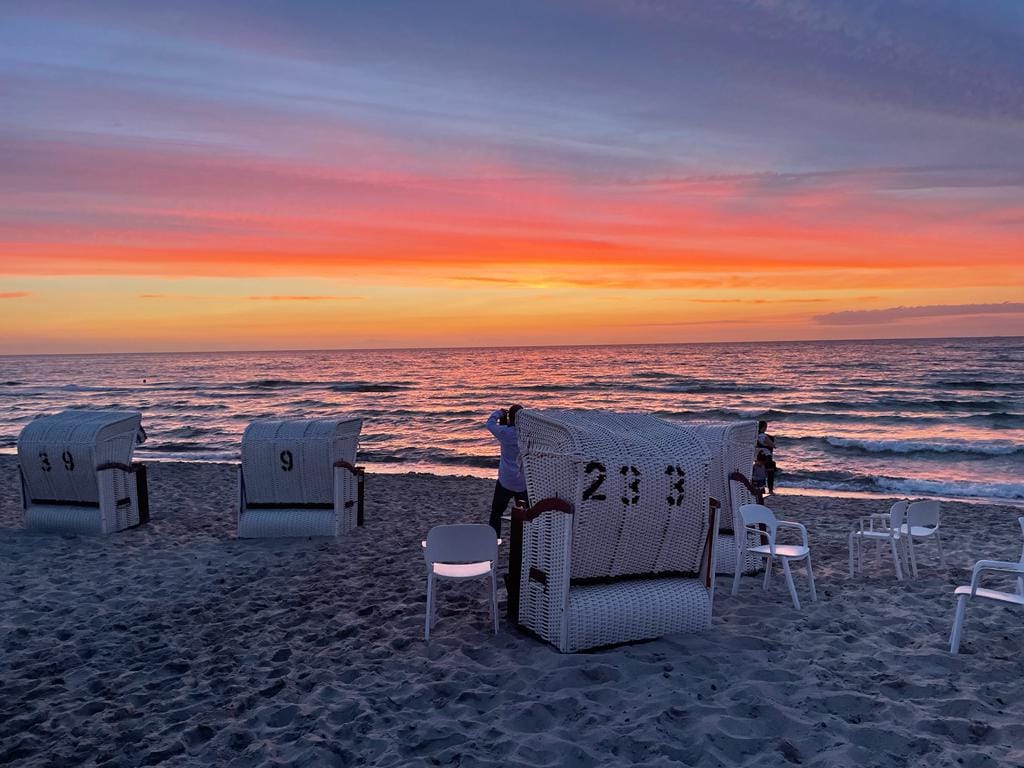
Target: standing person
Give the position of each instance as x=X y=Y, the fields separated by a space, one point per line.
x=758 y=478
x=511 y=483
x=766 y=449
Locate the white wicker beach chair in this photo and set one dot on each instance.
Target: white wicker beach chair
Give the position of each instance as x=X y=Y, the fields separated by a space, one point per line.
x=77 y=474
x=298 y=478
x=731 y=446
x=619 y=544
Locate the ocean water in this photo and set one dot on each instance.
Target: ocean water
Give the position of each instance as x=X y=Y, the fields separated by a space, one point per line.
x=940 y=417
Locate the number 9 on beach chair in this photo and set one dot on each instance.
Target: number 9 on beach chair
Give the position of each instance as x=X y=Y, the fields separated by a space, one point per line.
x=298 y=478
x=77 y=474
x=619 y=544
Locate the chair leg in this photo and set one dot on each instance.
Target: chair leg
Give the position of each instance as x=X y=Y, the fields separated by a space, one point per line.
x=913 y=557
x=494 y=600
x=851 y=553
x=741 y=557
x=767 y=574
x=810 y=579
x=958 y=624
x=430 y=603
x=896 y=560
x=942 y=558
x=789 y=582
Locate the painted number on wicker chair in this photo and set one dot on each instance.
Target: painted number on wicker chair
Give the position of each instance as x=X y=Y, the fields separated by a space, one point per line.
x=590 y=492
x=632 y=486
x=678 y=487
x=287 y=462
x=69 y=461
x=44 y=462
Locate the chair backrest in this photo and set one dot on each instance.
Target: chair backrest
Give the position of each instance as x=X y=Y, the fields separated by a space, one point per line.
x=740 y=493
x=59 y=453
x=758 y=514
x=461 y=543
x=923 y=513
x=1021 y=521
x=898 y=513
x=292 y=462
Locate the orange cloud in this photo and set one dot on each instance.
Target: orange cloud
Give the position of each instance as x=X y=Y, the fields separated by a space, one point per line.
x=305 y=298
x=145 y=211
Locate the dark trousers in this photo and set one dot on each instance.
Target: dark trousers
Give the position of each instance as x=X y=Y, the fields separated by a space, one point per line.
x=502 y=496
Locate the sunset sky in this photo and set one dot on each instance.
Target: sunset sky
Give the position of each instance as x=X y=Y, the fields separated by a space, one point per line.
x=269 y=175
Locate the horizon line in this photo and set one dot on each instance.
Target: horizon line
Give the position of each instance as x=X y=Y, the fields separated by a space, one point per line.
x=517 y=346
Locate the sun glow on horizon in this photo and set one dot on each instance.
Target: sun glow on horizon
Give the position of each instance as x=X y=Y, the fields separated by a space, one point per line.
x=175 y=184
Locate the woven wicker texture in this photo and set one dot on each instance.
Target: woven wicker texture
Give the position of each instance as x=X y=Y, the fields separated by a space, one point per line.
x=732 y=446
x=291 y=464
x=58 y=456
x=275 y=523
x=73 y=520
x=751 y=563
x=622 y=474
x=606 y=614
x=59 y=453
x=639 y=490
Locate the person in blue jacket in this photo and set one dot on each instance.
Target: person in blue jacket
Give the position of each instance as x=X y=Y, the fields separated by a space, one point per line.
x=511 y=484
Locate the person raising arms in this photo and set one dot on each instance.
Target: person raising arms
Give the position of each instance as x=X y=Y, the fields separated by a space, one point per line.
x=511 y=483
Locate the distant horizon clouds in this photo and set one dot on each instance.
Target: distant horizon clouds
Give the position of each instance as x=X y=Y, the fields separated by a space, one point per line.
x=545 y=172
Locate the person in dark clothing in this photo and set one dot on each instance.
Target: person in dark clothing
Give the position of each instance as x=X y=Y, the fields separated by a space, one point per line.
x=766 y=450
x=511 y=483
x=759 y=477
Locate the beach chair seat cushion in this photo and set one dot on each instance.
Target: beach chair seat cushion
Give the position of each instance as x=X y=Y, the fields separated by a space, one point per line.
x=636 y=609
x=288 y=521
x=65 y=518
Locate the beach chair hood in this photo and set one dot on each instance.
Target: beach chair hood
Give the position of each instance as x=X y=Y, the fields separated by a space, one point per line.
x=298 y=478
x=286 y=462
x=59 y=453
x=731 y=446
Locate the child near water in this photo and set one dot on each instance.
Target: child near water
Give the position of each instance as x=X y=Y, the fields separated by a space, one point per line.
x=759 y=476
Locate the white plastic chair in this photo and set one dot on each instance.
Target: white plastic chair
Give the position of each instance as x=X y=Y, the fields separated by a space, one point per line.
x=880 y=527
x=964 y=593
x=460 y=552
x=922 y=523
x=754 y=515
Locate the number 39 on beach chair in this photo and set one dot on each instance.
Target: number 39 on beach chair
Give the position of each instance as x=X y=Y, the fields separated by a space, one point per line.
x=298 y=478
x=77 y=474
x=619 y=543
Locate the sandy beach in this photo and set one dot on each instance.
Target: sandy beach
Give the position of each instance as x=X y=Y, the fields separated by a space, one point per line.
x=176 y=644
